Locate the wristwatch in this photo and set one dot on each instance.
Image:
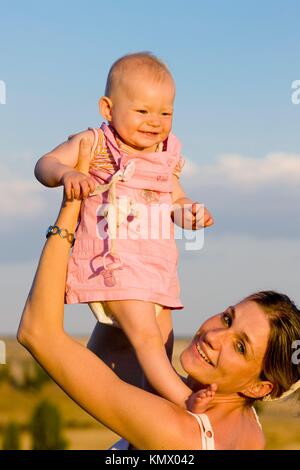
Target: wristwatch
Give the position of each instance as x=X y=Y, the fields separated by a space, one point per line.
x=62 y=232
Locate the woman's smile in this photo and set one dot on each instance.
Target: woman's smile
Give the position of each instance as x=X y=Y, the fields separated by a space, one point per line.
x=200 y=352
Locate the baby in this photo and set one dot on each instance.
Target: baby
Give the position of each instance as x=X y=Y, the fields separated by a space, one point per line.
x=124 y=260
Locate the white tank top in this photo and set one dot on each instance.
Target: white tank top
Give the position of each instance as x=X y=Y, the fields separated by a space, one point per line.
x=207 y=434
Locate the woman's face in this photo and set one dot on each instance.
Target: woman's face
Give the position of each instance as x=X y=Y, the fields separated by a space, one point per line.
x=229 y=348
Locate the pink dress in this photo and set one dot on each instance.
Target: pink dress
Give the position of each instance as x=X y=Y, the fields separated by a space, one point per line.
x=143 y=262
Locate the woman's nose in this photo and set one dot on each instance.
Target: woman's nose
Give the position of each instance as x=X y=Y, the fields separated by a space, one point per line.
x=215 y=337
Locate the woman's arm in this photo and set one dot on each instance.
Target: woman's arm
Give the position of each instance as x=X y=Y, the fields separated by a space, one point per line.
x=147 y=421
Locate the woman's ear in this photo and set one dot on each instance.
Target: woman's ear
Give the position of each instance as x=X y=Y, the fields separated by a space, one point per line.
x=258 y=389
x=105 y=108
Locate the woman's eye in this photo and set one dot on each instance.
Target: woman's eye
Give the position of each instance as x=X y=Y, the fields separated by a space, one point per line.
x=227 y=319
x=240 y=348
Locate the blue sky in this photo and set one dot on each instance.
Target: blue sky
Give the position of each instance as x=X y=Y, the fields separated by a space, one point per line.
x=233 y=62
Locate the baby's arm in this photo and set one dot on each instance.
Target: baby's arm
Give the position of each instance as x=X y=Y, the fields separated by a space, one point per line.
x=58 y=168
x=138 y=321
x=187 y=213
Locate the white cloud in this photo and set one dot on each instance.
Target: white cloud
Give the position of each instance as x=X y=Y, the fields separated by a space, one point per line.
x=19 y=197
x=246 y=172
x=227 y=269
x=16 y=279
x=190 y=168
x=257 y=196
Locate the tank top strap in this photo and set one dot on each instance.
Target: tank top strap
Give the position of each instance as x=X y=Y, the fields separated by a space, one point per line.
x=256 y=417
x=207 y=434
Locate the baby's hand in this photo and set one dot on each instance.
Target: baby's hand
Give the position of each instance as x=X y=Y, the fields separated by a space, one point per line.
x=201 y=217
x=192 y=216
x=198 y=402
x=77 y=185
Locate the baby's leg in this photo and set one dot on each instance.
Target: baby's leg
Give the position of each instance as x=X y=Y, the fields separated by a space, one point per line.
x=112 y=346
x=138 y=320
x=164 y=320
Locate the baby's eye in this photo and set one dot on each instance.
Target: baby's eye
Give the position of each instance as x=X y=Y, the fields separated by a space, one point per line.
x=141 y=111
x=166 y=114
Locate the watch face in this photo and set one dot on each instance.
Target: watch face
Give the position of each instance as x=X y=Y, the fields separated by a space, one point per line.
x=49 y=231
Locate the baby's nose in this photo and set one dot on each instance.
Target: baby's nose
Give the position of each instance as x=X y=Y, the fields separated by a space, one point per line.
x=154 y=120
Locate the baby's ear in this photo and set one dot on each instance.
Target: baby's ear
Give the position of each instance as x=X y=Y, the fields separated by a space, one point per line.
x=105 y=108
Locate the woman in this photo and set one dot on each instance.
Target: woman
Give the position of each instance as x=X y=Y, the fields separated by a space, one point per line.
x=246 y=350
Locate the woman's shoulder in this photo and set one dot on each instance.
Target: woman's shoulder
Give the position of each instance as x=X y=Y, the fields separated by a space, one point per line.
x=253 y=439
x=250 y=436
x=239 y=432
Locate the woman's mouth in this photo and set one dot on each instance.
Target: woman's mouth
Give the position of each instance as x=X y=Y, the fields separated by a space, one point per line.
x=203 y=355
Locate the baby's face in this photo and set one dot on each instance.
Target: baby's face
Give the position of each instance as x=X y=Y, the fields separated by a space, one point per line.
x=142 y=110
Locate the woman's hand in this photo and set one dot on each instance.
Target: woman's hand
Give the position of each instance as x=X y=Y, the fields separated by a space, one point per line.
x=84 y=156
x=77 y=184
x=44 y=309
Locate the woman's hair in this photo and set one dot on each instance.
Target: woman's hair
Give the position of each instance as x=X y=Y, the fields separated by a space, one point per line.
x=284 y=318
x=135 y=62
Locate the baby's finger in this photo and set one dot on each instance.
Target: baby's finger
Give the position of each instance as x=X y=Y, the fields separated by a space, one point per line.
x=182 y=217
x=92 y=185
x=85 y=189
x=198 y=224
x=213 y=387
x=209 y=222
x=198 y=209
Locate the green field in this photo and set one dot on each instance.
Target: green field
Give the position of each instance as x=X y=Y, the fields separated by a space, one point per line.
x=281 y=421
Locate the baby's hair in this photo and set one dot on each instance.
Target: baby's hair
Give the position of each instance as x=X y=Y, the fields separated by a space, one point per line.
x=136 y=61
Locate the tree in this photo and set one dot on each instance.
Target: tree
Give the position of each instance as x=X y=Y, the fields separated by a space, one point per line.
x=11 y=436
x=46 y=428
